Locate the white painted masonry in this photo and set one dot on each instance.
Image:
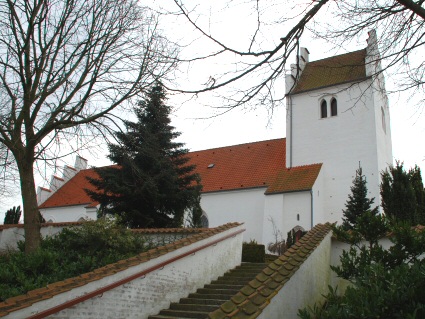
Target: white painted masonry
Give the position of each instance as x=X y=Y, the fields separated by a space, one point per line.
x=305 y=287
x=69 y=213
x=149 y=294
x=243 y=206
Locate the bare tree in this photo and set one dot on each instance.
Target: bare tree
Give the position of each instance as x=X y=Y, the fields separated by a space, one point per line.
x=399 y=24
x=64 y=65
x=254 y=62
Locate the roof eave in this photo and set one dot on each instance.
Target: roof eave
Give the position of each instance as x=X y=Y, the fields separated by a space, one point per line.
x=235 y=189
x=330 y=85
x=287 y=192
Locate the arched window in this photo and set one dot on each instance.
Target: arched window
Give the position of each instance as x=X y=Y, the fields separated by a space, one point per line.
x=334 y=107
x=323 y=109
x=383 y=120
x=204 y=220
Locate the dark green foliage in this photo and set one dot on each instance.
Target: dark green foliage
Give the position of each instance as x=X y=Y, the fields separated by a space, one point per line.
x=402 y=194
x=357 y=203
x=384 y=283
x=195 y=215
x=41 y=218
x=72 y=252
x=13 y=215
x=377 y=293
x=290 y=240
x=253 y=252
x=152 y=184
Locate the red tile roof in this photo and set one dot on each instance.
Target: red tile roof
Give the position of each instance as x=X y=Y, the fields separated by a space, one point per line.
x=72 y=192
x=257 y=164
x=339 y=69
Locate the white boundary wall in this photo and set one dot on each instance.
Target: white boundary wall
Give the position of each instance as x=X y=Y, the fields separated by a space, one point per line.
x=305 y=287
x=9 y=236
x=148 y=294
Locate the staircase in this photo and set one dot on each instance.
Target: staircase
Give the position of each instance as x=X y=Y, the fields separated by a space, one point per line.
x=209 y=298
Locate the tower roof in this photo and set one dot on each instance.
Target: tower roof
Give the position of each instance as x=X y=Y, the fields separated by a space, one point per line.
x=335 y=70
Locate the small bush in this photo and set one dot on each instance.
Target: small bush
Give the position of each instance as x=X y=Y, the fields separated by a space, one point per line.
x=252 y=252
x=70 y=253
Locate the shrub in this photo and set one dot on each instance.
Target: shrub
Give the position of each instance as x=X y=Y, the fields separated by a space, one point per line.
x=253 y=252
x=70 y=253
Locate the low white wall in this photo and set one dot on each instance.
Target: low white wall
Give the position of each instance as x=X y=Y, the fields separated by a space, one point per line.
x=148 y=294
x=337 y=249
x=10 y=235
x=305 y=287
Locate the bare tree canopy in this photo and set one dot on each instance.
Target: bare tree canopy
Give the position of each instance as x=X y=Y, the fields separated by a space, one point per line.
x=261 y=61
x=65 y=65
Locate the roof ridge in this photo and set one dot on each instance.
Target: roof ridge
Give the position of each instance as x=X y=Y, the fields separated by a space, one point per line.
x=241 y=144
x=336 y=56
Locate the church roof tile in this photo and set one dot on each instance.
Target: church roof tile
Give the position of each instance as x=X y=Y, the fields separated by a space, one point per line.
x=338 y=69
x=251 y=165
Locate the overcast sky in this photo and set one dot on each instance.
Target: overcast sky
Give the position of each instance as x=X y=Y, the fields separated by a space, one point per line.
x=192 y=116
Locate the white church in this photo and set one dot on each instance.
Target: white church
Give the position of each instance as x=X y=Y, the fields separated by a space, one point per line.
x=337 y=120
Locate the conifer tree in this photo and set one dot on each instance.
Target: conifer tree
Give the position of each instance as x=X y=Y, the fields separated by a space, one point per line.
x=402 y=194
x=358 y=203
x=13 y=215
x=152 y=185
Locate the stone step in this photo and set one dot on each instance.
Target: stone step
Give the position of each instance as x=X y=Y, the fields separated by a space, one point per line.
x=193 y=307
x=184 y=314
x=202 y=301
x=207 y=299
x=251 y=265
x=210 y=296
x=223 y=286
x=231 y=281
x=228 y=292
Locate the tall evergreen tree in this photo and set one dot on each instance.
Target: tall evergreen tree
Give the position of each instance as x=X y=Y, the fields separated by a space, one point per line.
x=13 y=215
x=152 y=184
x=402 y=194
x=358 y=203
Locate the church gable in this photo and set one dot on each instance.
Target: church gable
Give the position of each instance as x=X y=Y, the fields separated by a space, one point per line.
x=72 y=192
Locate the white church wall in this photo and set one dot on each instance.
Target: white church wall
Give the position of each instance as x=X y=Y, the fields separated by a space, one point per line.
x=320 y=215
x=273 y=219
x=297 y=210
x=340 y=142
x=244 y=206
x=284 y=211
x=382 y=122
x=68 y=214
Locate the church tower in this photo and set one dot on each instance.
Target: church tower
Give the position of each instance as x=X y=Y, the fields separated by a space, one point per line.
x=338 y=115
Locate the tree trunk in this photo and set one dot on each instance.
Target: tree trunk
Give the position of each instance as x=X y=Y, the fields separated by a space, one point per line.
x=29 y=200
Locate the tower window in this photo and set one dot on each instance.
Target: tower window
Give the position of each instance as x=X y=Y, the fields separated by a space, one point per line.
x=323 y=109
x=334 y=107
x=384 y=127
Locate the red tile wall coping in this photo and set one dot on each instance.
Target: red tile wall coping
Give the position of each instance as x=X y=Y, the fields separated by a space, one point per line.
x=33 y=296
x=250 y=301
x=141 y=230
